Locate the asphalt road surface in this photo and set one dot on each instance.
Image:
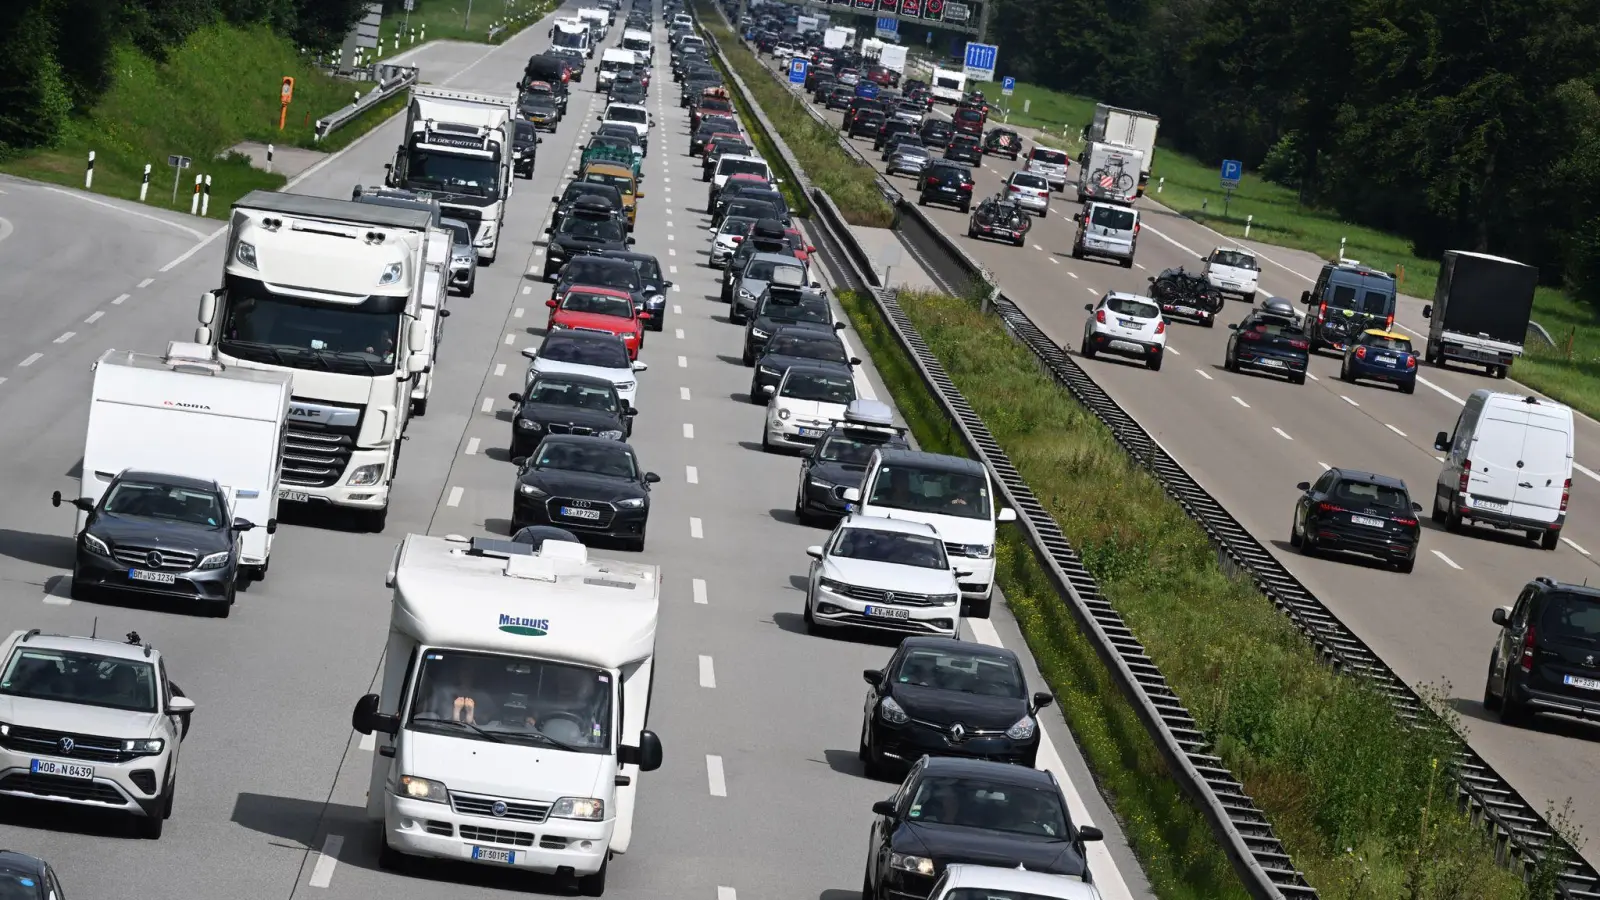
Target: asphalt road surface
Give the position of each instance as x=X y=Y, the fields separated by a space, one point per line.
x=760 y=793
x=1250 y=439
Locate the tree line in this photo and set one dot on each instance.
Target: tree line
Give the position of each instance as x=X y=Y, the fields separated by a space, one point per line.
x=56 y=55
x=1469 y=126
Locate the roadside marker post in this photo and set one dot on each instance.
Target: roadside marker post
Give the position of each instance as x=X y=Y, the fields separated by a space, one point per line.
x=88 y=173
x=144 y=186
x=194 y=200
x=269 y=157
x=205 y=198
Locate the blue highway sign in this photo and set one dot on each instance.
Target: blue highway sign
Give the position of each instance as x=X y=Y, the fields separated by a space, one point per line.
x=889 y=24
x=797 y=70
x=1232 y=171
x=979 y=61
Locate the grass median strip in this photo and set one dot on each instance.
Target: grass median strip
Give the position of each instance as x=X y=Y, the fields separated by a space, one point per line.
x=1364 y=805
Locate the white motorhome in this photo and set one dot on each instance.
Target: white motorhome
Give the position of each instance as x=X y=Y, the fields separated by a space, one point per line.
x=511 y=719
x=640 y=43
x=329 y=290
x=572 y=34
x=611 y=60
x=1109 y=172
x=458 y=147
x=949 y=85
x=598 y=20
x=1508 y=465
x=838 y=37
x=185 y=413
x=893 y=58
x=1129 y=127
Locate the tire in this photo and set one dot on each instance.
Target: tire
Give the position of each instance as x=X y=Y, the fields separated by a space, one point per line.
x=978 y=609
x=749 y=358
x=1550 y=540
x=149 y=828
x=863 y=753
x=766 y=445
x=1511 y=712
x=1298 y=378
x=1408 y=388
x=635 y=545
x=594 y=885
x=1127 y=263
x=1250 y=298
x=1294 y=536
x=471 y=286
x=1490 y=701
x=868 y=891
x=1405 y=566
x=1155 y=364
x=966 y=207
x=1437 y=514
x=1308 y=544
x=1228 y=364
x=755 y=394
x=1077 y=251
x=1209 y=323
x=1086 y=349
x=419 y=408
x=1452 y=517
x=374 y=520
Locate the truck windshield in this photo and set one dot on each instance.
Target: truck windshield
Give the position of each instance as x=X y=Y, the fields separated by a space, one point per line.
x=477 y=175
x=297 y=333
x=509 y=699
x=640 y=44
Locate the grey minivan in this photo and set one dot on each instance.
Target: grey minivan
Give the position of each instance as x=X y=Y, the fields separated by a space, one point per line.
x=754 y=279
x=1107 y=230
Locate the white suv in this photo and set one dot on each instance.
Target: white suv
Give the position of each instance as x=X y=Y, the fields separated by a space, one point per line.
x=883 y=574
x=1126 y=325
x=1233 y=272
x=91 y=722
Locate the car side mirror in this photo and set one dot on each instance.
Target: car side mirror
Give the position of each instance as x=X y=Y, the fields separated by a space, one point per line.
x=552 y=304
x=180 y=706
x=850 y=495
x=1043 y=699
x=1077 y=217
x=555 y=199
x=272 y=526
x=652 y=478
x=885 y=808
x=1234 y=326
x=1427 y=311
x=855 y=360
x=538 y=140
x=366 y=719
x=814 y=551
x=1305 y=297
x=1415 y=506
x=641 y=366
x=647 y=756
x=547 y=231
x=1088 y=307
x=1303 y=486
x=769 y=389
x=1441 y=441
x=514 y=398
x=873 y=677
x=631 y=242
x=1090 y=833
x=1007 y=514
x=530 y=352
x=1501 y=616
x=243 y=525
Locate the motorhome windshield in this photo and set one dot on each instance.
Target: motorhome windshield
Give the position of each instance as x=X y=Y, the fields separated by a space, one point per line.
x=513 y=700
x=298 y=333
x=575 y=39
x=641 y=45
x=936 y=491
x=454 y=173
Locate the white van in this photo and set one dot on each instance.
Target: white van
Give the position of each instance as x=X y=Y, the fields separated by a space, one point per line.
x=1509 y=466
x=612 y=59
x=949 y=86
x=951 y=493
x=511 y=723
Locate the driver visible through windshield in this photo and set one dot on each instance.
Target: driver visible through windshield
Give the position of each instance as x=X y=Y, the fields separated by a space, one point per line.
x=992 y=806
x=504 y=699
x=464 y=174
x=164 y=502
x=88 y=678
x=933 y=491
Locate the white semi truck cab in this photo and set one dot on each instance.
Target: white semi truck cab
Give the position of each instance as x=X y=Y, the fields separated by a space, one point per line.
x=329 y=290
x=458 y=147
x=511 y=719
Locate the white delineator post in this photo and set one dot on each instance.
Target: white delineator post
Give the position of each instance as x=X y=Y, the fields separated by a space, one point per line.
x=269 y=157
x=194 y=201
x=205 y=198
x=1247 y=221
x=88 y=173
x=144 y=186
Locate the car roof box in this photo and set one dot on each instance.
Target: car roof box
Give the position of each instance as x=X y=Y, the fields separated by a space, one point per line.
x=769 y=229
x=873 y=413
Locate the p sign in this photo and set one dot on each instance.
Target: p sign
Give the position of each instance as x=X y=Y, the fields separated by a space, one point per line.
x=288 y=89
x=1232 y=171
x=1008 y=86
x=797 y=70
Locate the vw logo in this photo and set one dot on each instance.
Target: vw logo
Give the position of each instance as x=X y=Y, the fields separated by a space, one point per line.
x=958 y=732
x=498 y=809
x=888 y=597
x=154 y=559
x=66 y=745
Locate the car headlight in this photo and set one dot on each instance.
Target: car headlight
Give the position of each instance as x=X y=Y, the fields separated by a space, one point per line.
x=215 y=560
x=144 y=746
x=945 y=599
x=391 y=274
x=95 y=545
x=579 y=808
x=610 y=435
x=626 y=385
x=921 y=865
x=631 y=503
x=746 y=295
x=759 y=334
x=529 y=490
x=414 y=788
x=768 y=370
x=245 y=253
x=365 y=475
x=556 y=251
x=891 y=712
x=529 y=425
x=978 y=551
x=828 y=584
x=1022 y=730
x=461 y=260
x=825 y=485
x=783 y=414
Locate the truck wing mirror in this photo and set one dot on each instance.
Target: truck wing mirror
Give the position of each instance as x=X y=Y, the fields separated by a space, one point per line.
x=272 y=526
x=1007 y=514
x=366 y=719
x=208 y=307
x=1441 y=441
x=647 y=755
x=1501 y=616
x=416 y=364
x=872 y=677
x=202 y=335
x=1305 y=297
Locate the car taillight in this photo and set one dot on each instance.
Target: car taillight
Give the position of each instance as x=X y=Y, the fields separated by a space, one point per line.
x=1100 y=316
x=1300 y=345
x=1136 y=228
x=1566 y=492
x=967 y=186
x=1249 y=335
x=1329 y=507
x=1406 y=522
x=1015 y=189
x=1322 y=312
x=1361 y=353
x=932 y=182
x=1411 y=362
x=1161 y=328
x=1528 y=640
x=1466 y=475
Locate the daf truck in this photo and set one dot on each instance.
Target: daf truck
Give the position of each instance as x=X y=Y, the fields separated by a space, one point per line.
x=1109 y=172
x=458 y=147
x=1129 y=128
x=330 y=291
x=513 y=702
x=1480 y=310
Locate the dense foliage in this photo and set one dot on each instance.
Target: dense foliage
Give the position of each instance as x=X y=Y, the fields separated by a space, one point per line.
x=56 y=55
x=1471 y=126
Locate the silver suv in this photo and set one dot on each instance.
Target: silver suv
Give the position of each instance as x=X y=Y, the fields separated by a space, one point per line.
x=91 y=722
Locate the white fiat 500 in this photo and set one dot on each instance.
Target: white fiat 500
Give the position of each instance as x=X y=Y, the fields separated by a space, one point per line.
x=807 y=402
x=1126 y=325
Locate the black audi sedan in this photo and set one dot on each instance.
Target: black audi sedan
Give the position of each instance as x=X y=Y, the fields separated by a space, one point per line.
x=791 y=344
x=970 y=811
x=589 y=485
x=1358 y=512
x=943 y=697
x=566 y=403
x=159 y=535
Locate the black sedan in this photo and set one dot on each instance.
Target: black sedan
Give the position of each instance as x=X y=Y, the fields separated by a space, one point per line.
x=160 y=535
x=566 y=403
x=1358 y=512
x=588 y=485
x=838 y=461
x=525 y=149
x=943 y=697
x=937 y=133
x=589 y=228
x=964 y=148
x=654 y=285
x=970 y=811
x=790 y=344
x=1269 y=341
x=779 y=306
x=601 y=271
x=568 y=199
x=1185 y=295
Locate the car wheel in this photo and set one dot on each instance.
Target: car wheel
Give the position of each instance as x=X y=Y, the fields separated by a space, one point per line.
x=1408 y=388
x=1308 y=544
x=1229 y=365
x=1155 y=363
x=766 y=445
x=1405 y=566
x=1209 y=323
x=1551 y=539
x=863 y=752
x=594 y=885
x=755 y=394
x=1297 y=378
x=1452 y=516
x=150 y=827
x=868 y=891
x=977 y=609
x=1077 y=251
x=471 y=285
x=1511 y=712
x=1490 y=701
x=1294 y=534
x=1250 y=298
x=1086 y=349
x=965 y=207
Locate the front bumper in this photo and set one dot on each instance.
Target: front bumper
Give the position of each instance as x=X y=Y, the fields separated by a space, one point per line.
x=794 y=434
x=910 y=742
x=1118 y=345
x=617 y=523
x=421 y=828
x=833 y=609
x=130 y=787
x=93 y=570
x=366 y=496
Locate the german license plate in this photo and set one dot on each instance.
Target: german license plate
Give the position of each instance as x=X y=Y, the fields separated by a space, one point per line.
x=810 y=432
x=494 y=854
x=1387 y=360
x=152 y=577
x=1484 y=503
x=1369 y=522
x=888 y=612
x=293 y=496
x=573 y=512
x=1577 y=681
x=1272 y=363
x=61 y=769
x=1129 y=323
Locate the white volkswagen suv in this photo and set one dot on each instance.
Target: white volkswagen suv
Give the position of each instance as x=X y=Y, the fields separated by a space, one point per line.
x=883 y=574
x=91 y=722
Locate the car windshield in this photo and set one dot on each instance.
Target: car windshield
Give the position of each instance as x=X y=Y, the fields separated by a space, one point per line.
x=819 y=387
x=605 y=354
x=594 y=457
x=953 y=669
x=739 y=225
x=754 y=208
x=742 y=167
x=1397 y=344
x=1235 y=259
x=899 y=548
x=936 y=491
x=989 y=805
x=649 y=271
x=626 y=114
x=969 y=115
x=68 y=676
x=165 y=503
x=1023 y=179
x=592 y=189
x=594 y=229
x=513 y=699
x=1131 y=306
x=827 y=349
x=762 y=270
x=623 y=183
x=558 y=392
x=716 y=104
x=1049 y=157
x=967 y=893
x=541 y=104
x=1571 y=618
x=1368 y=494
x=1112 y=218
x=611 y=273
x=598 y=304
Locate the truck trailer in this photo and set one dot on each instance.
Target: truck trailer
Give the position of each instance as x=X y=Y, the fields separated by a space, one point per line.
x=459 y=148
x=1128 y=127
x=1480 y=311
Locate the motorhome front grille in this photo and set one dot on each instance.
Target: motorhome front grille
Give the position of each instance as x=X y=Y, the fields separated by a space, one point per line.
x=510 y=810
x=49 y=742
x=156 y=559
x=557 y=428
x=316 y=456
x=873 y=595
x=496 y=836
x=583 y=513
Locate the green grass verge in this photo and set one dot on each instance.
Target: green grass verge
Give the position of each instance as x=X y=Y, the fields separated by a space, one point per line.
x=457 y=20
x=852 y=186
x=1364 y=805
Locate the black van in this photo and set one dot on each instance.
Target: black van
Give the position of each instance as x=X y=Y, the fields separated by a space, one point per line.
x=1348 y=299
x=551 y=69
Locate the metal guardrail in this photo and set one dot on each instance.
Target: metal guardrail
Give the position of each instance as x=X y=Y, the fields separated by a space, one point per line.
x=391 y=80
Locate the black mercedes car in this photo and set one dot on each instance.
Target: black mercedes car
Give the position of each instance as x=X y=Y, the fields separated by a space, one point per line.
x=567 y=403
x=588 y=485
x=839 y=461
x=162 y=535
x=579 y=190
x=970 y=811
x=1185 y=295
x=790 y=344
x=653 y=285
x=588 y=228
x=944 y=697
x=525 y=149
x=1358 y=512
x=781 y=305
x=24 y=877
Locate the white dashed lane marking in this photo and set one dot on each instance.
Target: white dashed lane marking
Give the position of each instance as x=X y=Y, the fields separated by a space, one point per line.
x=699 y=587
x=714 y=777
x=1240 y=402
x=1281 y=433
x=695 y=529
x=1447 y=560
x=472 y=447
x=31 y=359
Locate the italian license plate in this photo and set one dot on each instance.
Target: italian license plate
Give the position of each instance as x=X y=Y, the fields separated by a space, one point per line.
x=61 y=769
x=1365 y=520
x=888 y=612
x=1125 y=345
x=1482 y=503
x=1577 y=681
x=293 y=496
x=493 y=854
x=152 y=577
x=572 y=512
x=1272 y=363
x=810 y=432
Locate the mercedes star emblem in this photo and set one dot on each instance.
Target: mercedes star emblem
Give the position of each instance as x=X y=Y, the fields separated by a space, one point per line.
x=66 y=745
x=154 y=559
x=499 y=808
x=958 y=732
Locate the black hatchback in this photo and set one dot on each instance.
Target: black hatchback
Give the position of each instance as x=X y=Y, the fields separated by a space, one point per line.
x=937 y=133
x=944 y=182
x=1546 y=658
x=1358 y=512
x=964 y=148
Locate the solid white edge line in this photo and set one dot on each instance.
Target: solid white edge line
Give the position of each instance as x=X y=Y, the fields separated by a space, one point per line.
x=89 y=198
x=327 y=861
x=1574 y=545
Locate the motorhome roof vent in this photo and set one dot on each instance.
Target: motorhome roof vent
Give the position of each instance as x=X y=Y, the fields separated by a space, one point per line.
x=496 y=548
x=531 y=568
x=571 y=551
x=186 y=356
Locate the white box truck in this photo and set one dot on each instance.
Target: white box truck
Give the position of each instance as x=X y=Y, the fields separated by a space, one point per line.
x=186 y=413
x=893 y=58
x=1109 y=172
x=838 y=37
x=612 y=59
x=458 y=147
x=1129 y=127
x=329 y=290
x=949 y=85
x=511 y=717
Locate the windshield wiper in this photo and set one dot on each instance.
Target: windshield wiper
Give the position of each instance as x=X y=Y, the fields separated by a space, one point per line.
x=542 y=737
x=436 y=720
x=281 y=354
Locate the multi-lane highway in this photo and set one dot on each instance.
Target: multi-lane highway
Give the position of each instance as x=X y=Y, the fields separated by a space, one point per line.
x=760 y=793
x=1250 y=439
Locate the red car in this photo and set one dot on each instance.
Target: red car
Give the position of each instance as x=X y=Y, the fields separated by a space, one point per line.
x=717 y=136
x=969 y=121
x=797 y=244
x=883 y=77
x=599 y=309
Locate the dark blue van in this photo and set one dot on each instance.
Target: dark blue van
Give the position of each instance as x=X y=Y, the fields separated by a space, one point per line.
x=1348 y=299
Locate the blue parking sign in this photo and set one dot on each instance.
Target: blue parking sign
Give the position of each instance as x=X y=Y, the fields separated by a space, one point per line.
x=1232 y=171
x=1008 y=85
x=797 y=70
